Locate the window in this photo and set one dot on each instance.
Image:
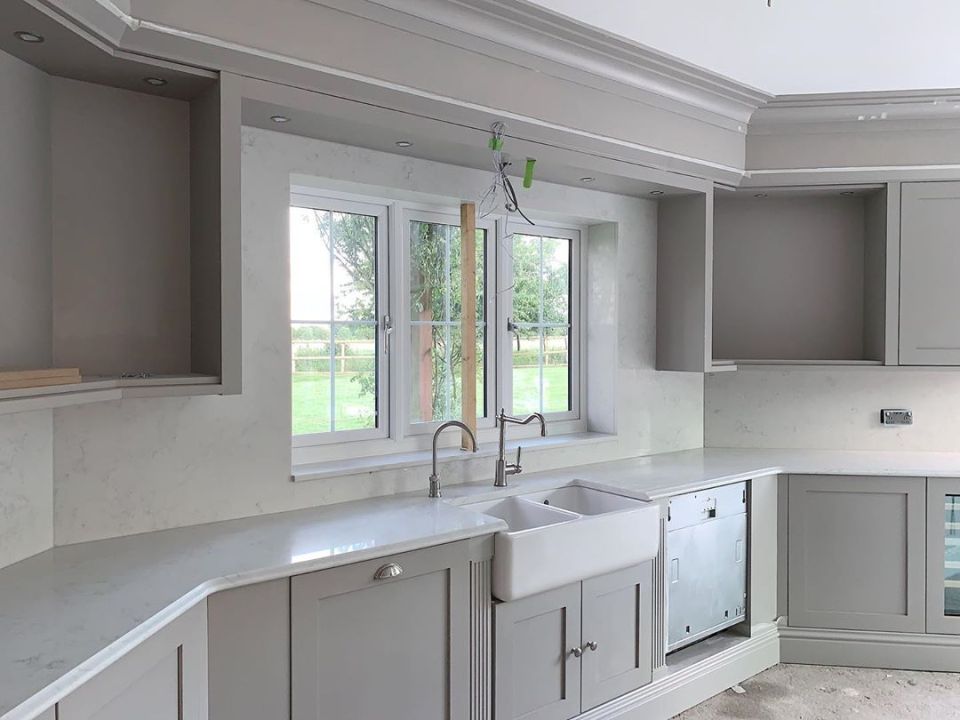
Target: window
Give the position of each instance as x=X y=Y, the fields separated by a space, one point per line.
x=337 y=373
x=377 y=298
x=435 y=316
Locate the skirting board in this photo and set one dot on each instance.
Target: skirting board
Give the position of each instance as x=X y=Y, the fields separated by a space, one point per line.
x=681 y=690
x=859 y=648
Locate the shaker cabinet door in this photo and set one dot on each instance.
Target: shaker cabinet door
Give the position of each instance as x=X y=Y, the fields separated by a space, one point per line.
x=163 y=678
x=943 y=556
x=616 y=634
x=388 y=638
x=537 y=649
x=856 y=553
x=929 y=268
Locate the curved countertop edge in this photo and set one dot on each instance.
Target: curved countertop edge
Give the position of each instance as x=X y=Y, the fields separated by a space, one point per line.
x=648 y=477
x=76 y=677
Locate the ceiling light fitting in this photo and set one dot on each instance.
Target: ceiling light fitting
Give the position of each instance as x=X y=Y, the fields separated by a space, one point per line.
x=28 y=37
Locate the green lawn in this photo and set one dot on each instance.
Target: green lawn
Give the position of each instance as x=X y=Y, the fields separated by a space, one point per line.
x=311 y=398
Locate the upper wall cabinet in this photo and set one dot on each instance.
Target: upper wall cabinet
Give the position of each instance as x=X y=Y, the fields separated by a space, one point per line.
x=799 y=275
x=134 y=271
x=929 y=269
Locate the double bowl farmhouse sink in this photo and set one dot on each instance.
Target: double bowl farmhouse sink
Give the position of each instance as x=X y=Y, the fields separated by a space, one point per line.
x=560 y=536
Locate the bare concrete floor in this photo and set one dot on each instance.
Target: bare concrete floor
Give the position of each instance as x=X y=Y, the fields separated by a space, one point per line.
x=807 y=692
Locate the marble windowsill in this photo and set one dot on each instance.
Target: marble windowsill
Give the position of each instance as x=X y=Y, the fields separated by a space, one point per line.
x=423 y=458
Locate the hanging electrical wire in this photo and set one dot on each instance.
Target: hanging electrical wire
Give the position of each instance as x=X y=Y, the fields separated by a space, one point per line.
x=501 y=188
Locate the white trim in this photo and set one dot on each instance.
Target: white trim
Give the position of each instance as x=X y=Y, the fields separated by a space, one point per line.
x=380 y=211
x=409 y=212
x=576 y=359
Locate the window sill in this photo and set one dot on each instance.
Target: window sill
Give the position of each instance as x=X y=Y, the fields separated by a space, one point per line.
x=423 y=458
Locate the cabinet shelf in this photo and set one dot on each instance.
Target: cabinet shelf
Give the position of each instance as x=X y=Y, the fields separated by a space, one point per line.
x=103 y=389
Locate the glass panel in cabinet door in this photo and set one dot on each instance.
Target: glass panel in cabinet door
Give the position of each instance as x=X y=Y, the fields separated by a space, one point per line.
x=951 y=570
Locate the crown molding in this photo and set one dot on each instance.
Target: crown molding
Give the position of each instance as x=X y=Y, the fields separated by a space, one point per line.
x=537 y=37
x=858 y=112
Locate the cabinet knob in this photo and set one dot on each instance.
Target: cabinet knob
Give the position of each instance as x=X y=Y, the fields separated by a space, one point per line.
x=591 y=645
x=576 y=652
x=390 y=570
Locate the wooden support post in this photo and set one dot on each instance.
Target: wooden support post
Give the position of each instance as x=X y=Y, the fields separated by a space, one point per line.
x=468 y=318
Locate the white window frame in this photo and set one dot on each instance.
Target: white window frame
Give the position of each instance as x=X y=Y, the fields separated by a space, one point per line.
x=573 y=420
x=414 y=213
x=335 y=203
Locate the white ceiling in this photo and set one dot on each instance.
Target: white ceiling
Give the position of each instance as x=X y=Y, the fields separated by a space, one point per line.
x=796 y=46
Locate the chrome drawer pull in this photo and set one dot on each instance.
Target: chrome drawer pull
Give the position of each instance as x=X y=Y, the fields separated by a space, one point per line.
x=576 y=652
x=591 y=645
x=390 y=570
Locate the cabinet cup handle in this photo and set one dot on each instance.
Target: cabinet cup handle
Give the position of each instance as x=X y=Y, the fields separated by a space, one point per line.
x=576 y=652
x=390 y=570
x=591 y=645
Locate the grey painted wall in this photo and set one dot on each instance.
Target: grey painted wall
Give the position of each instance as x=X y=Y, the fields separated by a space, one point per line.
x=26 y=440
x=121 y=269
x=25 y=284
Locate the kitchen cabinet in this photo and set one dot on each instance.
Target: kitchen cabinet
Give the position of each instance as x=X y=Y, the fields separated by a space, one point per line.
x=943 y=555
x=929 y=265
x=249 y=648
x=856 y=552
x=386 y=638
x=565 y=651
x=162 y=678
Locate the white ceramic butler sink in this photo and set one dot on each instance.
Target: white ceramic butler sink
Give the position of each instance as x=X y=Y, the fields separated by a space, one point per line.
x=556 y=537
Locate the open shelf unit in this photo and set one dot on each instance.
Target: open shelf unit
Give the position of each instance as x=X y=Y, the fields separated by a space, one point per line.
x=799 y=275
x=133 y=276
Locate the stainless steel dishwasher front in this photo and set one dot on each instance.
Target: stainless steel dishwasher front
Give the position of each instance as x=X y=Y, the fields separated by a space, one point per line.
x=706 y=563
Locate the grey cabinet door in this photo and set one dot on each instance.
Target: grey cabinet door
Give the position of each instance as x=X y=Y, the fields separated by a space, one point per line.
x=394 y=647
x=929 y=267
x=943 y=555
x=536 y=671
x=856 y=552
x=616 y=633
x=162 y=678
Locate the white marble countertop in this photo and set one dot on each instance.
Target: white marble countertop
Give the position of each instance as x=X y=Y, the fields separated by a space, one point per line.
x=69 y=612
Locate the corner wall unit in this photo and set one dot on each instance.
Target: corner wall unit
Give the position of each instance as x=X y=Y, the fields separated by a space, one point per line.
x=140 y=248
x=800 y=276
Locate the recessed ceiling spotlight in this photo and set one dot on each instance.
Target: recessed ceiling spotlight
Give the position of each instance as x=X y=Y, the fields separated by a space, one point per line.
x=848 y=193
x=587 y=180
x=155 y=81
x=656 y=192
x=403 y=143
x=28 y=37
x=761 y=195
x=279 y=119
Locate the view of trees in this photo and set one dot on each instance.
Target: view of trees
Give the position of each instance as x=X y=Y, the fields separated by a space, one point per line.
x=540 y=296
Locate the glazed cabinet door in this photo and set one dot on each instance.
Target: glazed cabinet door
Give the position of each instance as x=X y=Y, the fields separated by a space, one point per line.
x=929 y=266
x=537 y=656
x=616 y=634
x=943 y=556
x=388 y=638
x=856 y=555
x=163 y=678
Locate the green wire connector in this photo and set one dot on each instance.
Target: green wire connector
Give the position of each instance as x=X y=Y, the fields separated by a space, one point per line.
x=496 y=143
x=528 y=173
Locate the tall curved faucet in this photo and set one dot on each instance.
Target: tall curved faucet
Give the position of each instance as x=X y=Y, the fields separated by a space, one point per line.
x=435 y=476
x=503 y=467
